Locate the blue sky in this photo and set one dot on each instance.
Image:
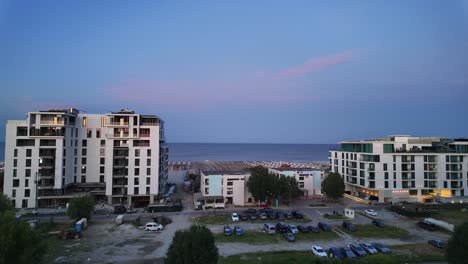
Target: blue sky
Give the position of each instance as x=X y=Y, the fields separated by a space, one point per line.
x=244 y=71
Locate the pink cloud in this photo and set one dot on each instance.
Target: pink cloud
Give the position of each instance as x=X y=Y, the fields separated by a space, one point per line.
x=313 y=65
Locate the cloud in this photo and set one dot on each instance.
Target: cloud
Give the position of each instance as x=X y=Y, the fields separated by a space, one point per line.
x=313 y=65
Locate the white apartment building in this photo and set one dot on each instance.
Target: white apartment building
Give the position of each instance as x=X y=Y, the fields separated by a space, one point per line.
x=404 y=168
x=308 y=180
x=219 y=188
x=120 y=157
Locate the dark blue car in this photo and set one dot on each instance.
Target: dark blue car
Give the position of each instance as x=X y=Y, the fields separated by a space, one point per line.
x=348 y=253
x=381 y=248
x=227 y=231
x=335 y=253
x=357 y=249
x=239 y=231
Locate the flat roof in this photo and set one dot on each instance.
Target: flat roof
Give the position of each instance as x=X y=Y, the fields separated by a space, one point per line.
x=225 y=172
x=296 y=169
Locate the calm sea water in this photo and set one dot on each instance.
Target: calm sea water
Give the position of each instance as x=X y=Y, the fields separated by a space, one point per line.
x=238 y=152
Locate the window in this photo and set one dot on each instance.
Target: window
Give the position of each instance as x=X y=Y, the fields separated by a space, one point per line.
x=26 y=183
x=394 y=184
x=103 y=142
x=386 y=175
x=24 y=203
x=85 y=122
x=83 y=169
x=135 y=190
x=14 y=173
x=101 y=169
x=98 y=133
x=137 y=171
x=15 y=183
x=229 y=183
x=89 y=133
x=137 y=162
x=15 y=163
x=83 y=179
x=137 y=153
x=28 y=153
x=148 y=181
x=14 y=193
x=28 y=163
x=385 y=167
x=102 y=152
x=84 y=152
x=15 y=153
x=148 y=162
x=83 y=161
x=102 y=161
x=136 y=181
x=386 y=184
x=147 y=190
x=148 y=171
x=27 y=193
x=148 y=152
x=101 y=178
x=84 y=143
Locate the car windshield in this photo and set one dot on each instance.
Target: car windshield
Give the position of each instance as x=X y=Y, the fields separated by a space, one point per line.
x=319 y=250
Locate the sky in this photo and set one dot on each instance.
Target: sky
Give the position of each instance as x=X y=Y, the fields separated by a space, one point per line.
x=243 y=71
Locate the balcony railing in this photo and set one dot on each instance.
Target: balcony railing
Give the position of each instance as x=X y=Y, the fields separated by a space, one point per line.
x=113 y=123
x=52 y=122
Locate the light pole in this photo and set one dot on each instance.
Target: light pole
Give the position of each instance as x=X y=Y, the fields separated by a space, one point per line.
x=290 y=194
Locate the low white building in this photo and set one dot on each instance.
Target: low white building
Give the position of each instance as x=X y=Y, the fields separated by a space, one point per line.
x=308 y=180
x=219 y=188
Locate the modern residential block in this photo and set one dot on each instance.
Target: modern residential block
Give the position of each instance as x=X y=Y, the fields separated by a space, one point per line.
x=308 y=180
x=219 y=188
x=120 y=157
x=404 y=168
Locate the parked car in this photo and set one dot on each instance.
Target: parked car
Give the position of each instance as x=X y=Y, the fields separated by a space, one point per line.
x=349 y=226
x=357 y=249
x=436 y=243
x=289 y=215
x=378 y=223
x=334 y=252
x=244 y=217
x=313 y=229
x=269 y=228
x=251 y=211
x=324 y=226
x=120 y=209
x=289 y=237
x=266 y=210
x=253 y=217
x=235 y=217
x=348 y=253
x=262 y=216
x=297 y=215
x=303 y=229
x=318 y=251
x=381 y=248
x=426 y=225
x=227 y=231
x=281 y=227
x=152 y=226
x=369 y=247
x=280 y=216
x=371 y=212
x=271 y=216
x=293 y=229
x=238 y=231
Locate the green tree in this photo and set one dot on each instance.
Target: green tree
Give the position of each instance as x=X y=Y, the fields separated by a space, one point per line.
x=263 y=185
x=18 y=242
x=196 y=245
x=457 y=247
x=333 y=186
x=80 y=207
x=289 y=188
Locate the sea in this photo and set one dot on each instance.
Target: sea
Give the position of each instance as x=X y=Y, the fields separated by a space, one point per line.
x=241 y=152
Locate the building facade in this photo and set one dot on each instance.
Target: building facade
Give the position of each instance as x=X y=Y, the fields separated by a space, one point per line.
x=404 y=168
x=308 y=180
x=219 y=188
x=120 y=157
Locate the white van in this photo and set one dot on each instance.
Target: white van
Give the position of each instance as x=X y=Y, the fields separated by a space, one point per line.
x=153 y=226
x=269 y=229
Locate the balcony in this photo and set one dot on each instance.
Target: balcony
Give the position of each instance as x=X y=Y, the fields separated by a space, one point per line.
x=47 y=153
x=46 y=184
x=120 y=164
x=119 y=144
x=52 y=122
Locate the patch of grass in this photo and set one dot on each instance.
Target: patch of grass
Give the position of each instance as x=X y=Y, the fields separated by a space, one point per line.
x=279 y=257
x=226 y=220
x=452 y=216
x=374 y=231
x=414 y=254
x=423 y=251
x=260 y=237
